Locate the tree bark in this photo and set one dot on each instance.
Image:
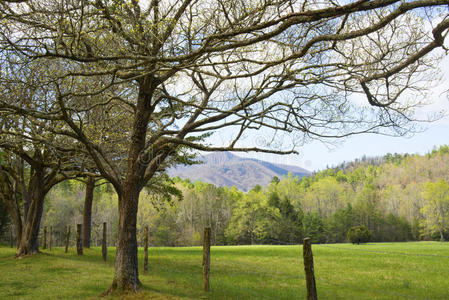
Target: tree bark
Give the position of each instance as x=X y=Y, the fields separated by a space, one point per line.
x=29 y=240
x=126 y=275
x=87 y=214
x=28 y=244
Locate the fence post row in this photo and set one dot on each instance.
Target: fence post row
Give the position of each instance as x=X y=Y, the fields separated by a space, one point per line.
x=79 y=242
x=206 y=259
x=104 y=247
x=308 y=268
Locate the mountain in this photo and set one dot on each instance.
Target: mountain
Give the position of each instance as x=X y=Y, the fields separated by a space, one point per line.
x=226 y=169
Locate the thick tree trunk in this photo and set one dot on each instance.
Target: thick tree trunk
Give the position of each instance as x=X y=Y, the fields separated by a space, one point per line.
x=126 y=277
x=87 y=214
x=29 y=240
x=28 y=244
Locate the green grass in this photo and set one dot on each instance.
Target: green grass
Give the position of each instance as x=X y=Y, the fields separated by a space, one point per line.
x=343 y=271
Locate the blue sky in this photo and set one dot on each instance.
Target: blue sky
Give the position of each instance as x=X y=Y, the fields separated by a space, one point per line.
x=316 y=156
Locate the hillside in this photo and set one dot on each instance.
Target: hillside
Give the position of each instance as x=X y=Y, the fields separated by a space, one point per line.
x=226 y=169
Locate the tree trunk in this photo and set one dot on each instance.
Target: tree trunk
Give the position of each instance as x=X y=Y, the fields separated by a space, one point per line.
x=87 y=214
x=30 y=232
x=126 y=277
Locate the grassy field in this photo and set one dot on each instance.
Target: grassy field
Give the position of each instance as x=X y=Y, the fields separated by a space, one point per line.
x=375 y=271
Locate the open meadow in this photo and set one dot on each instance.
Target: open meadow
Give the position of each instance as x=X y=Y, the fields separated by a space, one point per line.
x=415 y=270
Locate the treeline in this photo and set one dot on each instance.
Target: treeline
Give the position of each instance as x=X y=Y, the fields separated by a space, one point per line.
x=397 y=197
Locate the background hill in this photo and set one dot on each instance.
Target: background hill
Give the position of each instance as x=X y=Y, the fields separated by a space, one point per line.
x=226 y=169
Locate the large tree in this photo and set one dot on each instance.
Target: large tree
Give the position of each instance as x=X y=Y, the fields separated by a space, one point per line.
x=184 y=69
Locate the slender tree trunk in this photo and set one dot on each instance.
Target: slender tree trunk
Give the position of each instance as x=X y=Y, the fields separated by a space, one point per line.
x=87 y=214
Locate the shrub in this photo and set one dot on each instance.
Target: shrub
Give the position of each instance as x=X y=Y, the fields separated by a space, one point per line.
x=359 y=234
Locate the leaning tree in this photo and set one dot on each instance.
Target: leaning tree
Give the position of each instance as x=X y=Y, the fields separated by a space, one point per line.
x=187 y=69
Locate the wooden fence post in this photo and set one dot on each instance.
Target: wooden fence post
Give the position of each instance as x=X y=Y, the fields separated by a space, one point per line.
x=206 y=259
x=104 y=245
x=145 y=249
x=79 y=241
x=308 y=268
x=11 y=236
x=67 y=239
x=44 y=238
x=49 y=238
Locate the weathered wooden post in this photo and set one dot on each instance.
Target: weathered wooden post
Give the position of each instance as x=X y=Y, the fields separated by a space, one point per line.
x=104 y=245
x=67 y=239
x=49 y=238
x=11 y=237
x=79 y=241
x=145 y=249
x=206 y=259
x=44 y=238
x=308 y=268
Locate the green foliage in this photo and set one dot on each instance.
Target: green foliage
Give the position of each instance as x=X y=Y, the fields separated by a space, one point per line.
x=359 y=234
x=338 y=224
x=394 y=201
x=313 y=228
x=436 y=210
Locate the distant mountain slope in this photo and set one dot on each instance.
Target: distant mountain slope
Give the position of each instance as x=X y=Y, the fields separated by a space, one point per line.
x=226 y=169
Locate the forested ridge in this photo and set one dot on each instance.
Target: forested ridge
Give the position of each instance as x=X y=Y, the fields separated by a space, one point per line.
x=397 y=197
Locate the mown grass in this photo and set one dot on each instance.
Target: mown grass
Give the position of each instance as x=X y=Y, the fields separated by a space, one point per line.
x=343 y=271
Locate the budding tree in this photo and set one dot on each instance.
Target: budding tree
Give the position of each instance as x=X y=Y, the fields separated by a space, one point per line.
x=182 y=70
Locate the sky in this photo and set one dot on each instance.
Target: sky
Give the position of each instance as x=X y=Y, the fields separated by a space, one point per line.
x=317 y=156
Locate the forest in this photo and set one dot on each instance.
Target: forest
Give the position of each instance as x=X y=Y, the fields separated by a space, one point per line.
x=397 y=197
